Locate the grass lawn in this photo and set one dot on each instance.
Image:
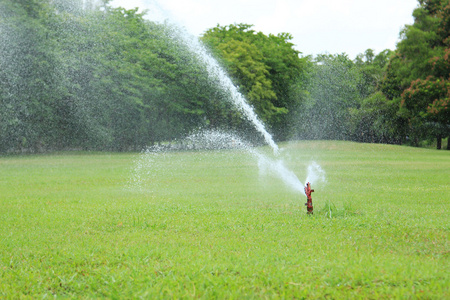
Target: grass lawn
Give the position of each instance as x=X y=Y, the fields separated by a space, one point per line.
x=212 y=225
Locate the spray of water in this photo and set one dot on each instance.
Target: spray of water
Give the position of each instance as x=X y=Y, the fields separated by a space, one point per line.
x=155 y=159
x=215 y=71
x=277 y=167
x=315 y=174
x=215 y=139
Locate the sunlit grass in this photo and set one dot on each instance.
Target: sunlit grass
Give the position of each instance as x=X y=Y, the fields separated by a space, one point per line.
x=208 y=224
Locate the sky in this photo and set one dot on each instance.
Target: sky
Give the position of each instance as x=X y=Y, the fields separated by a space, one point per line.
x=317 y=26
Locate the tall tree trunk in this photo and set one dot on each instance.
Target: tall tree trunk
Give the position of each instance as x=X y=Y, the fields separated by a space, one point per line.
x=439 y=142
x=448 y=143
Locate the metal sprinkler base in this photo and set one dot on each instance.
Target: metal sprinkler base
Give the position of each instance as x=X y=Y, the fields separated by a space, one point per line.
x=309 y=205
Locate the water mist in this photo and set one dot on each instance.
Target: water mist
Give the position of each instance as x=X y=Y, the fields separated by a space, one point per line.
x=266 y=164
x=215 y=71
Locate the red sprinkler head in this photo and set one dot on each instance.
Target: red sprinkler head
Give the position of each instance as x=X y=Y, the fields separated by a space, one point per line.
x=309 y=206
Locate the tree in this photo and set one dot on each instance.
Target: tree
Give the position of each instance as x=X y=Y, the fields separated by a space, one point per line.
x=75 y=76
x=264 y=67
x=375 y=118
x=333 y=89
x=421 y=71
x=29 y=81
x=372 y=68
x=376 y=121
x=433 y=117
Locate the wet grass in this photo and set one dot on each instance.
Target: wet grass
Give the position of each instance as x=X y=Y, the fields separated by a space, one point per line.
x=209 y=225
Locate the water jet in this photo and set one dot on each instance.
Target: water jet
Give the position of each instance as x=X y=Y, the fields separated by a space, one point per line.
x=211 y=139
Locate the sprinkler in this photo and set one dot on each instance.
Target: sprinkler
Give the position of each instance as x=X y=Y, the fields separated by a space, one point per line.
x=309 y=206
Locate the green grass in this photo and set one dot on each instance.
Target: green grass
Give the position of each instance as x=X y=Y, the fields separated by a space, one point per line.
x=208 y=225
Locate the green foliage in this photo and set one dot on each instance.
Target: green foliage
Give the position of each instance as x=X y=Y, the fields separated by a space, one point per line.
x=392 y=85
x=74 y=76
x=84 y=75
x=427 y=118
x=372 y=68
x=344 y=100
x=245 y=61
x=420 y=72
x=376 y=121
x=333 y=89
x=29 y=80
x=265 y=67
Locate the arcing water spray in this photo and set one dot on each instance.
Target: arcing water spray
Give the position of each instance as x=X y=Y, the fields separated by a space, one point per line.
x=315 y=173
x=215 y=71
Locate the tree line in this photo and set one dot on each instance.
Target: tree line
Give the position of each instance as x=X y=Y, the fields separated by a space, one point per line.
x=83 y=75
